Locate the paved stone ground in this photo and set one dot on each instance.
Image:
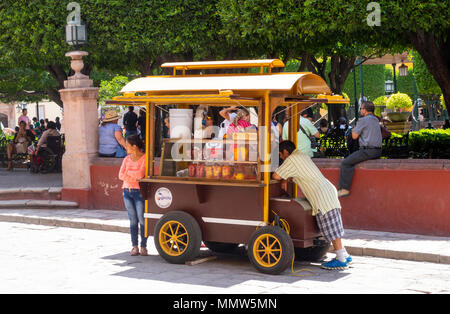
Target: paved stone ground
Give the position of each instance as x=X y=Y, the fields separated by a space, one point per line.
x=358 y=242
x=49 y=259
x=20 y=178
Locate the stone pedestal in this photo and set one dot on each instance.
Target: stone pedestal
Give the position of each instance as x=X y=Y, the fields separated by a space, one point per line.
x=81 y=132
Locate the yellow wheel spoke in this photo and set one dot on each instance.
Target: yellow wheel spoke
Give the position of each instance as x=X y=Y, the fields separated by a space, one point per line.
x=178 y=247
x=171 y=230
x=276 y=259
x=185 y=244
x=182 y=235
x=275 y=241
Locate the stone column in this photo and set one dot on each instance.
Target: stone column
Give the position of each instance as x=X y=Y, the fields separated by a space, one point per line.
x=81 y=132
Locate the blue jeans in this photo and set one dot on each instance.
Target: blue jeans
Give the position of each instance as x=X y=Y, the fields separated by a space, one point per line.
x=135 y=207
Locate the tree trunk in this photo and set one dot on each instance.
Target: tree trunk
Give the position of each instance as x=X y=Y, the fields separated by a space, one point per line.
x=60 y=76
x=435 y=52
x=340 y=69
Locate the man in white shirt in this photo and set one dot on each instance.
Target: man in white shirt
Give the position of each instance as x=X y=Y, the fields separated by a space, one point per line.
x=305 y=132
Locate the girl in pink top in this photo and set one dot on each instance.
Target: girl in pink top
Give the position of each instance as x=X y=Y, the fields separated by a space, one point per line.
x=133 y=169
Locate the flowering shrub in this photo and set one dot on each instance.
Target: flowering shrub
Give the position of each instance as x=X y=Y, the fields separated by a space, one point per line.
x=399 y=101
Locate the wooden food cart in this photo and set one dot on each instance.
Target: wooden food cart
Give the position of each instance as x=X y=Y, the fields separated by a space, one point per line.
x=219 y=190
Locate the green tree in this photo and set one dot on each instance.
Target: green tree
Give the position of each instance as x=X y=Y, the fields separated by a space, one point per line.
x=422 y=25
x=426 y=84
x=123 y=36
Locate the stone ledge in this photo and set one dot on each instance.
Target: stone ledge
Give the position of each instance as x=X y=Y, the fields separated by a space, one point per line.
x=107 y=161
x=406 y=164
x=29 y=203
x=35 y=190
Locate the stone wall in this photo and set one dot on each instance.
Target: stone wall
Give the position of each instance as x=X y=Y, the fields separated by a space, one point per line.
x=395 y=195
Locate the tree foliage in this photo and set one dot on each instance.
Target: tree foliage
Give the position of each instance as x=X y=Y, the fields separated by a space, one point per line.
x=139 y=35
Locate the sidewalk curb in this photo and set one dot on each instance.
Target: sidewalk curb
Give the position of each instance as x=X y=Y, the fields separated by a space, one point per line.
x=36 y=204
x=63 y=223
x=99 y=225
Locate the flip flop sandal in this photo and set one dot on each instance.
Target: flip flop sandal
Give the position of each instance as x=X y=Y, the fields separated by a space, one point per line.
x=135 y=251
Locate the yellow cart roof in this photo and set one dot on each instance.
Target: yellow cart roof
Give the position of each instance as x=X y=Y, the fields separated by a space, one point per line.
x=307 y=83
x=224 y=64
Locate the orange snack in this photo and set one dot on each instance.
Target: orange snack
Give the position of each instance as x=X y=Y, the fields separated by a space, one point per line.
x=217 y=171
x=209 y=172
x=226 y=172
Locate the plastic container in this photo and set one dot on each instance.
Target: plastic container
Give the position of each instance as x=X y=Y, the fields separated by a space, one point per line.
x=180 y=123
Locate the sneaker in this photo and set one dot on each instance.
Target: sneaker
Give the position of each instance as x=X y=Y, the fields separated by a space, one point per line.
x=335 y=264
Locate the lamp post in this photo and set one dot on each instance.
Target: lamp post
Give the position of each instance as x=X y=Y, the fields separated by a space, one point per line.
x=79 y=98
x=76 y=35
x=395 y=77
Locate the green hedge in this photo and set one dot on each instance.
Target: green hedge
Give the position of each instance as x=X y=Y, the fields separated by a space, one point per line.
x=429 y=143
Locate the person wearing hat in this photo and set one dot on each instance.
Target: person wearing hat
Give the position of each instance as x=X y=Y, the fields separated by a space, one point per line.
x=110 y=140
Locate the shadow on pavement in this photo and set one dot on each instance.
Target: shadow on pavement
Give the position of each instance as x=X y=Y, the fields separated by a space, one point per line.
x=225 y=271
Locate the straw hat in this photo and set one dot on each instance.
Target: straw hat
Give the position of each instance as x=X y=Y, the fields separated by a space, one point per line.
x=111 y=115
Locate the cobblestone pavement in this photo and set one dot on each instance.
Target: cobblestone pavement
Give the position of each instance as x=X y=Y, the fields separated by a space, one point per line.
x=21 y=177
x=48 y=259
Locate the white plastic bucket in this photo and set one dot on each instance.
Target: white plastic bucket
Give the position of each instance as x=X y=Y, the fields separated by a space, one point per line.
x=180 y=121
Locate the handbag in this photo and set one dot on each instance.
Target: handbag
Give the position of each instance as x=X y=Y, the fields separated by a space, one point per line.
x=385 y=133
x=22 y=145
x=312 y=139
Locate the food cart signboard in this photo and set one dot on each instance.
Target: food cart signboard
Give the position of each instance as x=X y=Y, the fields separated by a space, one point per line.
x=163 y=197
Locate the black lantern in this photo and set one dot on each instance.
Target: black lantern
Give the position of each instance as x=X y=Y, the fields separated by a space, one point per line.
x=389 y=87
x=403 y=70
x=76 y=34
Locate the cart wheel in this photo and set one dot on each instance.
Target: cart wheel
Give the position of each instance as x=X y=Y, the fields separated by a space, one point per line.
x=177 y=237
x=270 y=250
x=221 y=247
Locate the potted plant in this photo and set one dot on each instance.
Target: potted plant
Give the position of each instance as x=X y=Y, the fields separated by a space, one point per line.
x=400 y=104
x=380 y=105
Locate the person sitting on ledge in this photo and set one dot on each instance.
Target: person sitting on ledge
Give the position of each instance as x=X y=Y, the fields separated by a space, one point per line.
x=368 y=132
x=110 y=140
x=51 y=131
x=22 y=139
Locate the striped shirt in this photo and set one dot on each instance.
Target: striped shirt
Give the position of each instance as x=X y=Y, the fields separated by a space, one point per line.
x=321 y=194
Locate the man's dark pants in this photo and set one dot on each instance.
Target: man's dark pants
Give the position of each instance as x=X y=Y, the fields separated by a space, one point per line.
x=349 y=163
